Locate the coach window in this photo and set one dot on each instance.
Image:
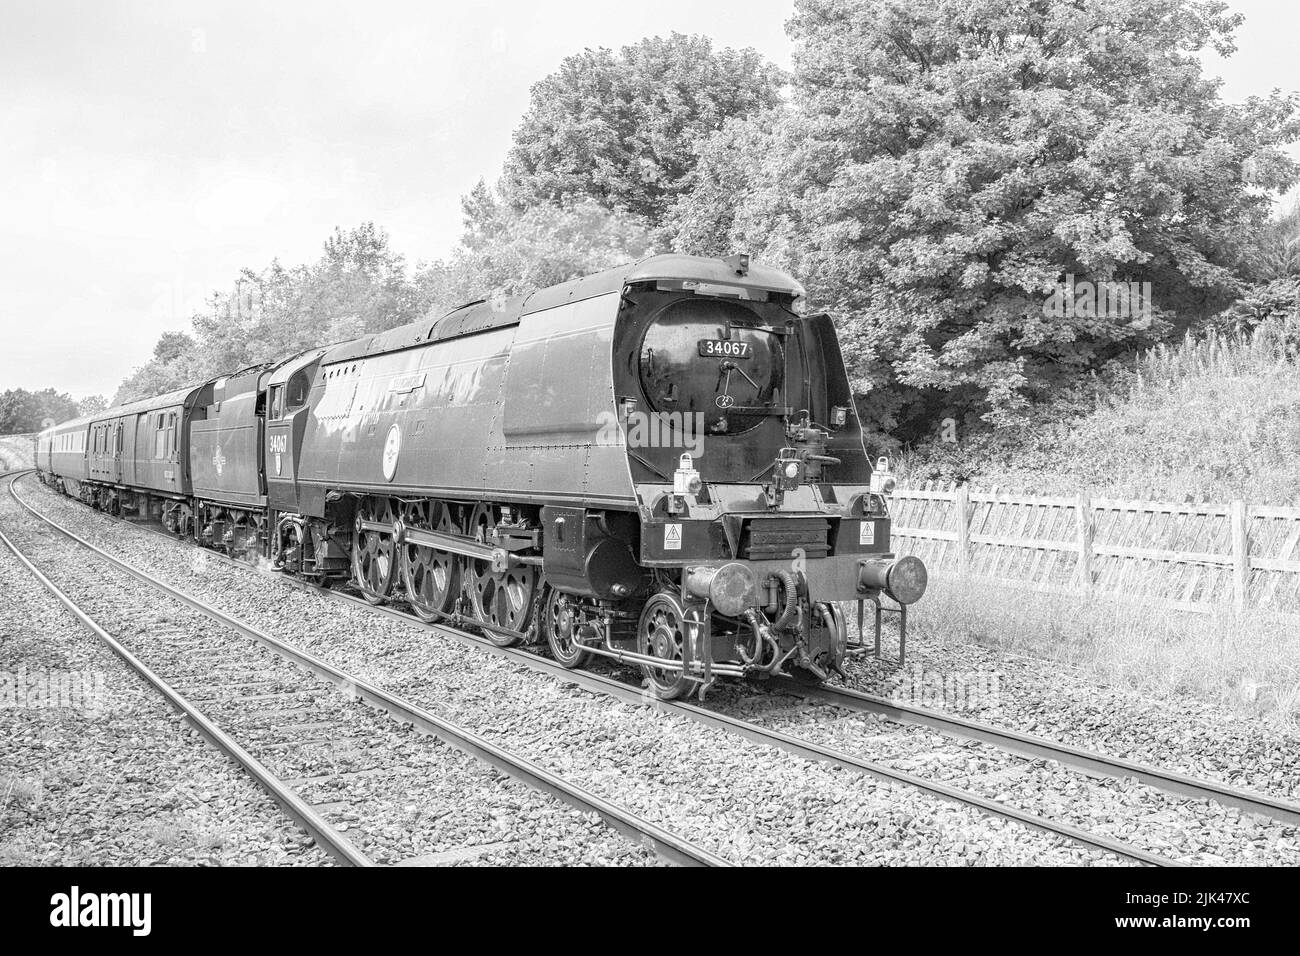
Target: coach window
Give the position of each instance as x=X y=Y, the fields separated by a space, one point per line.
x=160 y=437
x=173 y=442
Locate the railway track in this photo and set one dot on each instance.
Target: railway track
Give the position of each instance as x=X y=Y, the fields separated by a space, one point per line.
x=806 y=749
x=1022 y=745
x=1040 y=748
x=294 y=806
x=631 y=693
x=278 y=700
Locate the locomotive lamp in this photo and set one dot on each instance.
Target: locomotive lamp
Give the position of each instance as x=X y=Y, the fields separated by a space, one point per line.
x=839 y=416
x=739 y=263
x=686 y=479
x=789 y=471
x=882 y=482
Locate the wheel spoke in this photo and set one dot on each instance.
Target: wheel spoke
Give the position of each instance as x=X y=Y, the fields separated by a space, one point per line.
x=661 y=633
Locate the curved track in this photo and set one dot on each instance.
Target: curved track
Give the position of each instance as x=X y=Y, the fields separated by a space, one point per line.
x=668 y=845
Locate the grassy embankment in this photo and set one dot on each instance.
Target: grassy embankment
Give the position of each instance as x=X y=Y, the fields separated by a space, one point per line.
x=16 y=452
x=1210 y=419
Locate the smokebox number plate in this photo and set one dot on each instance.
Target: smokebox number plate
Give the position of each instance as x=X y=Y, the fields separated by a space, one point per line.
x=725 y=348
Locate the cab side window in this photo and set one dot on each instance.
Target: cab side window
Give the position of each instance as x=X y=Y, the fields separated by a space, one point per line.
x=277 y=402
x=298 y=387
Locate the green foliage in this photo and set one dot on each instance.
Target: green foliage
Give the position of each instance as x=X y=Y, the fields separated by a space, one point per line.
x=619 y=128
x=359 y=285
x=937 y=171
x=92 y=405
x=22 y=411
x=505 y=251
x=945 y=164
x=1277 y=254
x=1211 y=417
x=1273 y=269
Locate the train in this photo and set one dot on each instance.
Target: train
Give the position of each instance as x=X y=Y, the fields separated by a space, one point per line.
x=659 y=464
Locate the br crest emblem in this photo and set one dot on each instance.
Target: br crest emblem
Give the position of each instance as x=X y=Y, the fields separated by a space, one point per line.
x=392 y=450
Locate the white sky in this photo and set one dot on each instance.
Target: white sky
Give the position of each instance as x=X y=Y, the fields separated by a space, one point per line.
x=150 y=149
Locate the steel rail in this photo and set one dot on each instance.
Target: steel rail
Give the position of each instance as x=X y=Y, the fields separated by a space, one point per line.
x=806 y=749
x=294 y=806
x=666 y=844
x=628 y=693
x=1022 y=744
x=1028 y=745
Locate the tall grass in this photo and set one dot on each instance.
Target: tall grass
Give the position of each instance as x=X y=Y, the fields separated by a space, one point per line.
x=1269 y=350
x=16 y=451
x=1248 y=662
x=1211 y=417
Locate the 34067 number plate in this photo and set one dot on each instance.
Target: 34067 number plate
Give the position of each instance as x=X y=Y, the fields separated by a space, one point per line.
x=725 y=348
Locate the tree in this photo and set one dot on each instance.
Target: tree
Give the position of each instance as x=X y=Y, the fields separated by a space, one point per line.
x=359 y=285
x=22 y=411
x=172 y=345
x=618 y=129
x=505 y=251
x=91 y=405
x=945 y=166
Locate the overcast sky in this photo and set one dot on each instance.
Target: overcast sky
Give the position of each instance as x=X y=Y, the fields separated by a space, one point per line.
x=150 y=149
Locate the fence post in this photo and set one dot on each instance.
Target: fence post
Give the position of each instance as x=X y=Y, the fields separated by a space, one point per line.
x=962 y=509
x=1240 y=552
x=1083 y=522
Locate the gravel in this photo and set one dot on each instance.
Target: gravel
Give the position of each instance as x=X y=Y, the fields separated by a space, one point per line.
x=745 y=801
x=123 y=781
x=402 y=797
x=1193 y=832
x=1179 y=734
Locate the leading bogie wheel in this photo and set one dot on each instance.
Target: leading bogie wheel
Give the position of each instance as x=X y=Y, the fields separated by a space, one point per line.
x=663 y=632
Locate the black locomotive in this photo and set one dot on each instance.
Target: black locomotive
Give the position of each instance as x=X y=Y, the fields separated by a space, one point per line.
x=659 y=463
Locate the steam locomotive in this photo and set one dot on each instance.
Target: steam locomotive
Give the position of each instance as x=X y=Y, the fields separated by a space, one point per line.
x=659 y=463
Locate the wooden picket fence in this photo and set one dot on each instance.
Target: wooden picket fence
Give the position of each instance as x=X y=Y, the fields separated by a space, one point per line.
x=1194 y=556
